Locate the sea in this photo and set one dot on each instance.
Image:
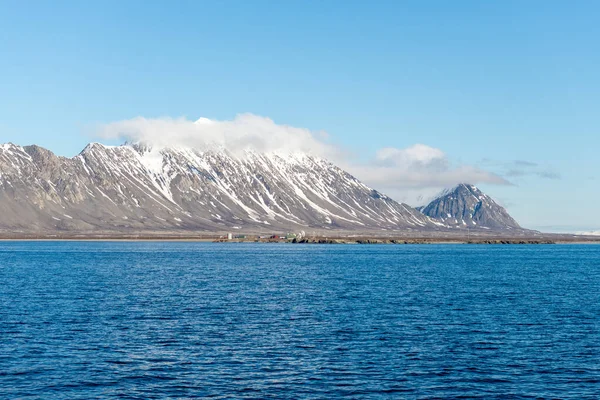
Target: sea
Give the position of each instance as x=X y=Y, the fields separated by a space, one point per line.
x=182 y=320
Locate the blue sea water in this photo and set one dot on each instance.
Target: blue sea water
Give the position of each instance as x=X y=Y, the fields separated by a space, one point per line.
x=82 y=320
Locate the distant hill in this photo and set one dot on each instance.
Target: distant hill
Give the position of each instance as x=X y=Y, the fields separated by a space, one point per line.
x=467 y=206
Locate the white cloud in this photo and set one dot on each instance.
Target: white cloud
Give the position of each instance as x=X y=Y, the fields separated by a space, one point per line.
x=418 y=154
x=417 y=173
x=412 y=174
x=245 y=131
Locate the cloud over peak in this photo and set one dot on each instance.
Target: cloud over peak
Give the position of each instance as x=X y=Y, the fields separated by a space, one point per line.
x=416 y=173
x=245 y=131
x=406 y=174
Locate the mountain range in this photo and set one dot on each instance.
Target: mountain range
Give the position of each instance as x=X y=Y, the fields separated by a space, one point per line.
x=137 y=188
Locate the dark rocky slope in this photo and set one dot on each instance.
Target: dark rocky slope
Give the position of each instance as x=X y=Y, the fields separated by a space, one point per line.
x=466 y=206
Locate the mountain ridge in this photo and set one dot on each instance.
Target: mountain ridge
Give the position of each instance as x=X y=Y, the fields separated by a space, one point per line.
x=137 y=188
x=189 y=190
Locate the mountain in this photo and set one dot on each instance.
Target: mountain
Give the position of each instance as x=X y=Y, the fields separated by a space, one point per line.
x=466 y=206
x=135 y=189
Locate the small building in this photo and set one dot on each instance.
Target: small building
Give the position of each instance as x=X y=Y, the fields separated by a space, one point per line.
x=229 y=236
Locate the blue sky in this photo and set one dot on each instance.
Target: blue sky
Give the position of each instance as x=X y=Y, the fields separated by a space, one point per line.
x=508 y=87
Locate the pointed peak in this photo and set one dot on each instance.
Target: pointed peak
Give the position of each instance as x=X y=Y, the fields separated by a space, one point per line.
x=9 y=146
x=465 y=205
x=460 y=188
x=92 y=146
x=34 y=149
x=99 y=147
x=451 y=190
x=470 y=188
x=467 y=186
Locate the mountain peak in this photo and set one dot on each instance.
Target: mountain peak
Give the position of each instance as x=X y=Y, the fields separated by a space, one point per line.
x=467 y=186
x=461 y=187
x=465 y=205
x=10 y=146
x=94 y=146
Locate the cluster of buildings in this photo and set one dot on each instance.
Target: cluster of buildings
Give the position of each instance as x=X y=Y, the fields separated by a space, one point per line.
x=286 y=236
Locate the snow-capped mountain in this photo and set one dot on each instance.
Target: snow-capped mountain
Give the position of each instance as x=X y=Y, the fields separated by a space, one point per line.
x=465 y=205
x=134 y=188
x=589 y=233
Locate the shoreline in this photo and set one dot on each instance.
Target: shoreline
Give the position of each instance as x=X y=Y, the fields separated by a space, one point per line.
x=362 y=239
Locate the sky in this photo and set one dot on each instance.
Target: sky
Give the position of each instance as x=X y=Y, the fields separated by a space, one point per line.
x=409 y=96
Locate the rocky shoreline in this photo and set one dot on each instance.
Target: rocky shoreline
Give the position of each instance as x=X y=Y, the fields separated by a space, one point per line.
x=388 y=241
x=317 y=239
x=417 y=241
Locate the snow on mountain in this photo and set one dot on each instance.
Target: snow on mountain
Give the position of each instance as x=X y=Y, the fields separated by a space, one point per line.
x=589 y=233
x=137 y=188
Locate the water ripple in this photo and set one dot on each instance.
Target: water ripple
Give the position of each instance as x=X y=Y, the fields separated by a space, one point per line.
x=189 y=320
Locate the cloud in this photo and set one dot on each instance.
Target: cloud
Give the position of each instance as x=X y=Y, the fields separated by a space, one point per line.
x=245 y=131
x=411 y=174
x=420 y=166
x=548 y=174
x=521 y=168
x=522 y=163
x=418 y=154
x=416 y=173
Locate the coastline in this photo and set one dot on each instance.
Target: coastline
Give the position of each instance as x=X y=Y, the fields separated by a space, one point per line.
x=330 y=239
